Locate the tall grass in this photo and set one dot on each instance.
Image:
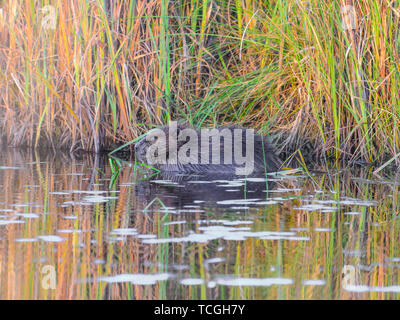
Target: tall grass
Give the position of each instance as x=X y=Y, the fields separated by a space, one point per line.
x=109 y=70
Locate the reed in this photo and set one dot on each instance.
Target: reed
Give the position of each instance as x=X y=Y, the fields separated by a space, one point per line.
x=102 y=72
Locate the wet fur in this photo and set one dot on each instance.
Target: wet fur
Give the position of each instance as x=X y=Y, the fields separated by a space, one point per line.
x=265 y=158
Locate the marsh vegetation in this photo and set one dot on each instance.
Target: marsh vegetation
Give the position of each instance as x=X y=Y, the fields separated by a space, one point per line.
x=318 y=77
x=93 y=75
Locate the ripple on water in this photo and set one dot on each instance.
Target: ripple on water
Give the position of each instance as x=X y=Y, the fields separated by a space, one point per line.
x=97 y=199
x=27 y=240
x=357 y=202
x=146 y=236
x=364 y=288
x=124 y=232
x=70 y=217
x=69 y=231
x=51 y=238
x=192 y=282
x=24 y=205
x=165 y=182
x=61 y=193
x=316 y=207
x=28 y=215
x=314 y=282
x=233 y=222
x=238 y=201
x=139 y=279
x=253 y=282
x=228 y=233
x=93 y=192
x=323 y=229
x=174 y=222
x=214 y=260
x=353 y=213
x=6 y=222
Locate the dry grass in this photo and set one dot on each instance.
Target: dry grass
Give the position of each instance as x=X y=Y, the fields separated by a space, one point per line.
x=111 y=69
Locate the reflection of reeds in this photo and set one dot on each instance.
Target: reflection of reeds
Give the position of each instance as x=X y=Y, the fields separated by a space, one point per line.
x=374 y=233
x=109 y=68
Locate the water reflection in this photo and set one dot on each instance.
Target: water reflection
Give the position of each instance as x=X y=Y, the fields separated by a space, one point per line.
x=191 y=192
x=329 y=236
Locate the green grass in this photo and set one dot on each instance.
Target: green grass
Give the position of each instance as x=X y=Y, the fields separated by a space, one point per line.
x=109 y=71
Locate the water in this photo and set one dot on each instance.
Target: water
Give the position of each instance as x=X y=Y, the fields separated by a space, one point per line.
x=69 y=229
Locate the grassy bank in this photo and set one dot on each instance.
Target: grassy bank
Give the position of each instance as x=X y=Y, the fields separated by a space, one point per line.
x=95 y=74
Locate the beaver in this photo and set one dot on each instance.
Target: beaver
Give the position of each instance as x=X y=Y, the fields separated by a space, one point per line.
x=179 y=147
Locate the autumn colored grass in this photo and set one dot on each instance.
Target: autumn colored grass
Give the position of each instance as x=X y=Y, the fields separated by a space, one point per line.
x=106 y=71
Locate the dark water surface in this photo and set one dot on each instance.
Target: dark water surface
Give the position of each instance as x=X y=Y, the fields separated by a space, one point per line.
x=69 y=229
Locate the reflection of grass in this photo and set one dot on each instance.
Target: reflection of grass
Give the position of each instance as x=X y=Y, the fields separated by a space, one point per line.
x=115 y=169
x=116 y=165
x=375 y=233
x=155 y=200
x=149 y=167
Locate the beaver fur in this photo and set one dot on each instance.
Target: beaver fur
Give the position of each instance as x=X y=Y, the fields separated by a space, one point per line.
x=264 y=160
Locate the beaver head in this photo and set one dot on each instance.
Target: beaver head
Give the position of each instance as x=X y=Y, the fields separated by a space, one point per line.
x=165 y=139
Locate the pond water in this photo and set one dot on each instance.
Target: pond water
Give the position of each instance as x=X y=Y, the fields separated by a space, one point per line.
x=71 y=229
